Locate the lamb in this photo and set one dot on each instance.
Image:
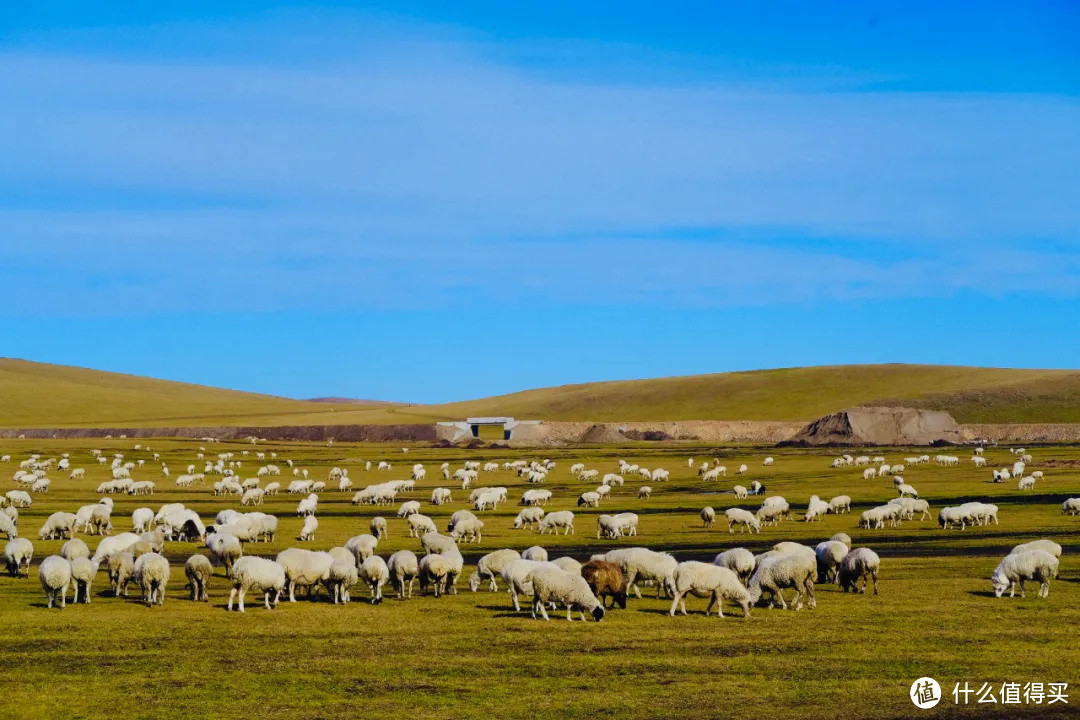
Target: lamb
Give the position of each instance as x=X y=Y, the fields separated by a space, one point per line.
x=708 y=516
x=606 y=580
x=555 y=520
x=491 y=565
x=551 y=584
x=739 y=560
x=152 y=574
x=198 y=572
x=403 y=565
x=378 y=527
x=1019 y=567
x=375 y=573
x=259 y=575
x=708 y=580
x=745 y=518
x=779 y=570
x=55 y=576
x=860 y=563
x=1048 y=545
x=226 y=549
x=18 y=553
x=311 y=524
x=528 y=517
x=83 y=571
x=304 y=569
x=420 y=524
x=829 y=556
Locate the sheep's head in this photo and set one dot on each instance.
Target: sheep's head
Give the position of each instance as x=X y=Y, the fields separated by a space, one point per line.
x=598 y=613
x=1000 y=583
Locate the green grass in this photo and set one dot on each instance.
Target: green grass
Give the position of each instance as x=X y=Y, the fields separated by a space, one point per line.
x=470 y=656
x=41 y=395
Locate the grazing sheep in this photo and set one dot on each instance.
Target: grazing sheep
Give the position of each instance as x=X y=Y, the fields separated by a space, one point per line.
x=362 y=547
x=491 y=565
x=74 y=548
x=311 y=524
x=420 y=524
x=739 y=560
x=551 y=584
x=840 y=504
x=408 y=508
x=643 y=564
x=1016 y=568
x=225 y=549
x=259 y=575
x=829 y=556
x=17 y=556
x=745 y=518
x=304 y=569
x=59 y=524
x=468 y=529
x=152 y=575
x=606 y=580
x=7 y=526
x=1027 y=483
x=842 y=537
x=534 y=553
x=432 y=542
x=342 y=576
x=433 y=570
x=440 y=496
x=198 y=572
x=83 y=571
x=121 y=569
x=378 y=527
x=779 y=570
x=815 y=509
x=708 y=516
x=528 y=517
x=308 y=505
x=555 y=520
x=644 y=492
x=740 y=492
x=589 y=499
x=708 y=580
x=860 y=563
x=904 y=489
x=55 y=576
x=1047 y=545
x=142 y=519
x=112 y=545
x=403 y=566
x=375 y=573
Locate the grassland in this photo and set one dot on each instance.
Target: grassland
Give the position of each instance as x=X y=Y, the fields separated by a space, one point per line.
x=470 y=656
x=41 y=395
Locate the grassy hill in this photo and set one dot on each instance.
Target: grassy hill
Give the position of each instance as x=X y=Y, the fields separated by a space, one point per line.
x=42 y=395
x=970 y=394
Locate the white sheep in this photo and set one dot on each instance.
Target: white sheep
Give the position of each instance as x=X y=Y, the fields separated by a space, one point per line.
x=259 y=575
x=307 y=532
x=440 y=496
x=744 y=518
x=643 y=564
x=378 y=527
x=468 y=529
x=534 y=553
x=374 y=572
x=779 y=570
x=152 y=574
x=491 y=565
x=342 y=576
x=83 y=571
x=403 y=566
x=304 y=569
x=739 y=560
x=18 y=553
x=840 y=504
x=1071 y=506
x=1027 y=483
x=408 y=508
x=551 y=584
x=860 y=563
x=528 y=517
x=829 y=555
x=109 y=546
x=420 y=524
x=554 y=520
x=740 y=492
x=1046 y=545
x=55 y=576
x=708 y=580
x=59 y=524
x=8 y=527
x=1016 y=568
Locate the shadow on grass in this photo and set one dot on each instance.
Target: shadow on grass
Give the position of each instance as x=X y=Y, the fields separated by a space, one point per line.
x=982 y=593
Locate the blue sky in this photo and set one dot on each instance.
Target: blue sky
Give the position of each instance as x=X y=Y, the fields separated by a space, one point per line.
x=447 y=200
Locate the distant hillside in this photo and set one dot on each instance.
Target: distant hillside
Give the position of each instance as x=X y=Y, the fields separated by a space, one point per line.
x=970 y=394
x=42 y=395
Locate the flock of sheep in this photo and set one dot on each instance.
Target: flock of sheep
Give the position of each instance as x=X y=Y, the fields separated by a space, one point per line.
x=736 y=575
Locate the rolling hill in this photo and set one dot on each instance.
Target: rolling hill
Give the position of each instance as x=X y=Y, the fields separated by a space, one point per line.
x=41 y=395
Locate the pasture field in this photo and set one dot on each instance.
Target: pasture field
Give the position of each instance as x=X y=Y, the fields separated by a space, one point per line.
x=470 y=655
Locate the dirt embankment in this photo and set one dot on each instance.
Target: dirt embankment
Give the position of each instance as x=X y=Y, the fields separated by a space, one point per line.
x=342 y=433
x=1023 y=432
x=709 y=431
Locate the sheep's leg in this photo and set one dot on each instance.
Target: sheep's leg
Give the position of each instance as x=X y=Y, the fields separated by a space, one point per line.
x=540 y=605
x=873 y=576
x=569 y=614
x=292 y=591
x=675 y=604
x=1023 y=592
x=778 y=594
x=712 y=601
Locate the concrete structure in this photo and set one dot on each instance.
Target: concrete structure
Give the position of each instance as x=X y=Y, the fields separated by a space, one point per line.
x=470 y=427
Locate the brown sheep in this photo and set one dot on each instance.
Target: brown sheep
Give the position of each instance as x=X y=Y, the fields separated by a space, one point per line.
x=606 y=579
